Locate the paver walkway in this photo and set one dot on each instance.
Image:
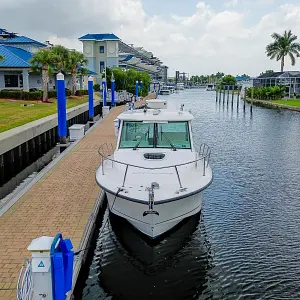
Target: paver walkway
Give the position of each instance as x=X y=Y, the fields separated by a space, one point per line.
x=60 y=202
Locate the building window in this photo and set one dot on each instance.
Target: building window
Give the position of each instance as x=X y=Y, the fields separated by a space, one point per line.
x=101 y=66
x=101 y=49
x=11 y=81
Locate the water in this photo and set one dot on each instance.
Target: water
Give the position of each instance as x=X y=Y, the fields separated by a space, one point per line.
x=246 y=242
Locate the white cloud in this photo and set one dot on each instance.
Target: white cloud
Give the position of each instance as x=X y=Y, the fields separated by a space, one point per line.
x=232 y=3
x=206 y=41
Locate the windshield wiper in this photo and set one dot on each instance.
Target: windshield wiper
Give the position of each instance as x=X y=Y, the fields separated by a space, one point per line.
x=140 y=140
x=170 y=142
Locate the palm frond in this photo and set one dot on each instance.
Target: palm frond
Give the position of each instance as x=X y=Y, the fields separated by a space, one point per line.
x=292 y=57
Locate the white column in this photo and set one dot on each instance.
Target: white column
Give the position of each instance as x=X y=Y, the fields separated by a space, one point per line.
x=25 y=80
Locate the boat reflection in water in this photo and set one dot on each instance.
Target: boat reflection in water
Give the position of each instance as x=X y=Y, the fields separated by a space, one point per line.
x=127 y=265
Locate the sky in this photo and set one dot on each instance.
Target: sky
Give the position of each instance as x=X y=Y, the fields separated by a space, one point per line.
x=192 y=36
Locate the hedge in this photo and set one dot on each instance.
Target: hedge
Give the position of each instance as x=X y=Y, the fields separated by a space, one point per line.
x=22 y=95
x=81 y=92
x=97 y=87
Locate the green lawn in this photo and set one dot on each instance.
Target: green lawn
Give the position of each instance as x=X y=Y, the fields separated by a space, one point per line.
x=12 y=114
x=289 y=102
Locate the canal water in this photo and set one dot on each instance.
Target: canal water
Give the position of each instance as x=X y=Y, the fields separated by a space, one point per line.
x=245 y=244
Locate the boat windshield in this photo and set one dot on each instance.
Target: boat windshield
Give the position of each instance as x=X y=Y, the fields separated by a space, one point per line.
x=172 y=135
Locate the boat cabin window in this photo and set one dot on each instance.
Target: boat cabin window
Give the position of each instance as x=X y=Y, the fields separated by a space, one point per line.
x=137 y=134
x=172 y=135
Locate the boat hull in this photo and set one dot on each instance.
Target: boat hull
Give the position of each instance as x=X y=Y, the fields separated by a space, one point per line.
x=169 y=214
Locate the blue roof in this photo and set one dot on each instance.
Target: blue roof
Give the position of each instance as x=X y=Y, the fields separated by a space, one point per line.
x=241 y=78
x=99 y=37
x=22 y=40
x=14 y=57
x=127 y=58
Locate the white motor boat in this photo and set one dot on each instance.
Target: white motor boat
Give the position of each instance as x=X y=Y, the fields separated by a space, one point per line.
x=155 y=176
x=211 y=87
x=165 y=91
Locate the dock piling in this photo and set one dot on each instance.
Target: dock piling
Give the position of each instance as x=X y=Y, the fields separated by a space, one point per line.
x=216 y=94
x=112 y=90
x=228 y=93
x=61 y=108
x=232 y=96
x=252 y=96
x=91 y=98
x=245 y=99
x=223 y=94
x=136 y=90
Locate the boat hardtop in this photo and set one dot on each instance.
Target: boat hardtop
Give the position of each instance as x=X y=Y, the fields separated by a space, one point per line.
x=155 y=115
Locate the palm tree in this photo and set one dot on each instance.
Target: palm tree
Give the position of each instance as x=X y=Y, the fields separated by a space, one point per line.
x=44 y=61
x=75 y=60
x=61 y=57
x=282 y=46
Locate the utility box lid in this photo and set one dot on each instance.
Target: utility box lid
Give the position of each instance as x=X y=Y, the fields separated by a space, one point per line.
x=77 y=126
x=41 y=244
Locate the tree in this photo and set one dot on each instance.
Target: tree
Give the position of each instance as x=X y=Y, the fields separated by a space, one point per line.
x=266 y=72
x=2 y=58
x=282 y=46
x=246 y=76
x=75 y=60
x=61 y=57
x=227 y=80
x=43 y=61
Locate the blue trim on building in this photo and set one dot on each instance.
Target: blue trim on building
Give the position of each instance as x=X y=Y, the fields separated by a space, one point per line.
x=14 y=57
x=22 y=40
x=99 y=37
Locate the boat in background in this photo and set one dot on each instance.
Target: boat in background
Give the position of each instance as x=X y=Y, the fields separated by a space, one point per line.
x=211 y=87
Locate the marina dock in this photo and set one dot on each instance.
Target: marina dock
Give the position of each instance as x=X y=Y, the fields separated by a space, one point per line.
x=61 y=199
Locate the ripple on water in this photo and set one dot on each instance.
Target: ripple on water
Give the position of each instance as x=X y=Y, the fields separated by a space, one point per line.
x=245 y=244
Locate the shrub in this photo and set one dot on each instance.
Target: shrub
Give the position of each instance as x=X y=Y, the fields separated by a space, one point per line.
x=21 y=95
x=82 y=92
x=266 y=93
x=97 y=87
x=52 y=94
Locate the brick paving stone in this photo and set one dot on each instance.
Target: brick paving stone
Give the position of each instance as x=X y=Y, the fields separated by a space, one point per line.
x=61 y=201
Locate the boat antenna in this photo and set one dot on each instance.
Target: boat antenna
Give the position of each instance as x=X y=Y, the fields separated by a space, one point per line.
x=146 y=107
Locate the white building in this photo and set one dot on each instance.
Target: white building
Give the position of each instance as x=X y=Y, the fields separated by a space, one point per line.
x=107 y=50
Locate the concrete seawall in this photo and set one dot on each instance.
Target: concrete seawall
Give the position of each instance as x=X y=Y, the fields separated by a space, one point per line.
x=22 y=146
x=270 y=104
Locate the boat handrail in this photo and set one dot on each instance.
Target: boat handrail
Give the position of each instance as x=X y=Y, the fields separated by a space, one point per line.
x=204 y=153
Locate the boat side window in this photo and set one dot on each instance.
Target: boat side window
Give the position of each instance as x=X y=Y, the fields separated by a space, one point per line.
x=136 y=134
x=173 y=133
